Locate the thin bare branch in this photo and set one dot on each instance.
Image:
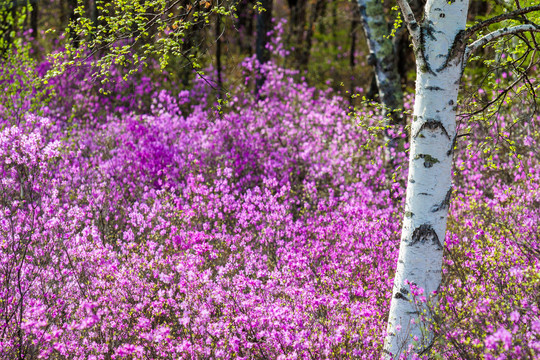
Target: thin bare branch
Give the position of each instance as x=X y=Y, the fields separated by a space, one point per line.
x=515 y=15
x=497 y=34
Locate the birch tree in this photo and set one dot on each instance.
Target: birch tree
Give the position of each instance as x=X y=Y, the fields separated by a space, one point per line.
x=382 y=57
x=442 y=46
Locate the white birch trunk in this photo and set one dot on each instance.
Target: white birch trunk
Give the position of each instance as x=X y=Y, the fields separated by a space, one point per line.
x=382 y=57
x=439 y=53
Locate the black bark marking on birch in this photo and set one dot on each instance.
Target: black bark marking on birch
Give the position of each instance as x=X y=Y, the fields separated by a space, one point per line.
x=425 y=65
x=432 y=124
x=424 y=234
x=405 y=291
x=426 y=194
x=451 y=150
x=457 y=49
x=434 y=88
x=412 y=312
x=445 y=204
x=429 y=30
x=412 y=181
x=409 y=214
x=399 y=295
x=451 y=102
x=372 y=59
x=428 y=160
x=388 y=352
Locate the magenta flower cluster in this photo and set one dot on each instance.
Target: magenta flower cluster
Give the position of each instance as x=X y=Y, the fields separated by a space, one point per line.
x=146 y=225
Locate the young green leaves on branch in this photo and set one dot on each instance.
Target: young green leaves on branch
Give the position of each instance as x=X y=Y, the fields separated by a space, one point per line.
x=130 y=33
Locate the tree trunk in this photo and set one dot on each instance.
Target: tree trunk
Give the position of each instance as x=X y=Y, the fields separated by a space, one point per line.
x=305 y=51
x=297 y=26
x=352 y=52
x=94 y=13
x=73 y=17
x=382 y=57
x=439 y=53
x=264 y=25
x=34 y=18
x=218 y=56
x=244 y=24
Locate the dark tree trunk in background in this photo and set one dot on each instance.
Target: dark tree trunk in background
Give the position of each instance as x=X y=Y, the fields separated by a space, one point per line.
x=478 y=8
x=352 y=58
x=72 y=4
x=218 y=56
x=264 y=25
x=301 y=31
x=94 y=12
x=308 y=40
x=297 y=24
x=193 y=43
x=322 y=25
x=244 y=25
x=334 y=25
x=34 y=18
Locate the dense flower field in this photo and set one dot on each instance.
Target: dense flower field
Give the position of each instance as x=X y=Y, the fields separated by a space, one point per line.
x=266 y=230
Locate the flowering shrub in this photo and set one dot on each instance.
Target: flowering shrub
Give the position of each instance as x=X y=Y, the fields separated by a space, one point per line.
x=489 y=305
x=167 y=229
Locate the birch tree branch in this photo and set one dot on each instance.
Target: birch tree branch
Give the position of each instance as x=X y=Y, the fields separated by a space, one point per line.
x=415 y=31
x=410 y=21
x=497 y=34
x=506 y=16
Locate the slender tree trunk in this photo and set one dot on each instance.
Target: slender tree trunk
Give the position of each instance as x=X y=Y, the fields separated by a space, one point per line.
x=34 y=18
x=439 y=53
x=335 y=25
x=352 y=53
x=308 y=41
x=264 y=25
x=94 y=13
x=382 y=58
x=218 y=55
x=244 y=24
x=297 y=26
x=72 y=4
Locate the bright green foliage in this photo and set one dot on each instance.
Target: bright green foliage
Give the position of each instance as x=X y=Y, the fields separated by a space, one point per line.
x=23 y=90
x=500 y=67
x=129 y=33
x=12 y=19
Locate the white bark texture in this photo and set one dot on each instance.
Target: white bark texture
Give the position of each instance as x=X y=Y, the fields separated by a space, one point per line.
x=382 y=56
x=440 y=55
